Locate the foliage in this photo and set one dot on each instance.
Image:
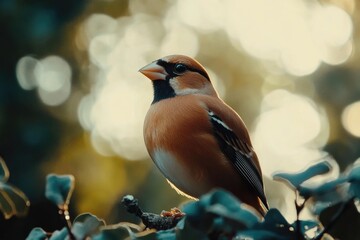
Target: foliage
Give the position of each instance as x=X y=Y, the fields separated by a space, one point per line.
x=59 y=189
x=12 y=200
x=217 y=215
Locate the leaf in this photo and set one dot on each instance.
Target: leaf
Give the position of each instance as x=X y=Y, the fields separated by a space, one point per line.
x=4 y=171
x=59 y=189
x=182 y=231
x=111 y=234
x=60 y=234
x=228 y=206
x=159 y=235
x=322 y=189
x=13 y=201
x=274 y=221
x=326 y=194
x=354 y=179
x=295 y=179
x=116 y=231
x=260 y=235
x=185 y=231
x=219 y=210
x=86 y=224
x=354 y=174
x=274 y=226
x=305 y=225
x=37 y=234
x=123 y=231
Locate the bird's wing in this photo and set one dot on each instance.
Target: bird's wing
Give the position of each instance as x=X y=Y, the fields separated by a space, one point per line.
x=239 y=153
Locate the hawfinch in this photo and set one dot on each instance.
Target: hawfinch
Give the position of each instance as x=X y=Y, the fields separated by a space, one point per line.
x=195 y=139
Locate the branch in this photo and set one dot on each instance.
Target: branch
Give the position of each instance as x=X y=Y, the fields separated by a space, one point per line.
x=64 y=213
x=151 y=220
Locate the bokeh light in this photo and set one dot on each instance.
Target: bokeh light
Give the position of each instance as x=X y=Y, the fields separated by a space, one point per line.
x=350 y=118
x=51 y=76
x=297 y=35
x=204 y=15
x=331 y=25
x=25 y=72
x=287 y=124
x=288 y=136
x=280 y=31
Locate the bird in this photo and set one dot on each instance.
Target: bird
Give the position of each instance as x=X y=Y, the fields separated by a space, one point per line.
x=197 y=141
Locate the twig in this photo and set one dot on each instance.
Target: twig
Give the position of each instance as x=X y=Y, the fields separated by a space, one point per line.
x=150 y=220
x=299 y=208
x=132 y=205
x=64 y=213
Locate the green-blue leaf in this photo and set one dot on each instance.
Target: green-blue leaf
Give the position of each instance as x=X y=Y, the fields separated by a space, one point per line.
x=354 y=179
x=159 y=235
x=274 y=227
x=59 y=189
x=185 y=231
x=261 y=235
x=115 y=232
x=219 y=210
x=354 y=174
x=355 y=190
x=296 y=179
x=4 y=171
x=13 y=201
x=274 y=218
x=111 y=234
x=305 y=225
x=85 y=225
x=230 y=207
x=37 y=234
x=326 y=194
x=60 y=234
x=322 y=189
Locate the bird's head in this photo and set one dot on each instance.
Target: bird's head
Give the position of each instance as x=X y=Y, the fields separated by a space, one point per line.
x=177 y=75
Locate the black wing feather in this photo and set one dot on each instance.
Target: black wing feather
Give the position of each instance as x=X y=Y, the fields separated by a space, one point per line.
x=239 y=153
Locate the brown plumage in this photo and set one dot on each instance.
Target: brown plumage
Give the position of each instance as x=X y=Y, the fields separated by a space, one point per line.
x=196 y=140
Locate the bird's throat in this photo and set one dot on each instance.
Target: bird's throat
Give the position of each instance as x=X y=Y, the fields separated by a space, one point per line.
x=162 y=90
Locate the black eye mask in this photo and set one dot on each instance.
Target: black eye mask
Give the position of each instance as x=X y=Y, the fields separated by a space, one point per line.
x=177 y=69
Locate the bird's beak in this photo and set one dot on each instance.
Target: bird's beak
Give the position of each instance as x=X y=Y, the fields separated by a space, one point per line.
x=154 y=72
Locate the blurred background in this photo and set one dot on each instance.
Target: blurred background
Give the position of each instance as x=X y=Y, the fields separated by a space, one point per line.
x=73 y=102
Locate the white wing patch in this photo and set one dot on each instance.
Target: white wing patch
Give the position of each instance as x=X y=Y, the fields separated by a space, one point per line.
x=215 y=118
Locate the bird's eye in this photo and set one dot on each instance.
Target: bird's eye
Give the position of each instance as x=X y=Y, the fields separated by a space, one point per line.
x=179 y=69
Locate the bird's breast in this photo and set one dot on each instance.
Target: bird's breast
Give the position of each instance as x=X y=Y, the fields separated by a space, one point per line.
x=178 y=174
x=177 y=136
x=175 y=127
